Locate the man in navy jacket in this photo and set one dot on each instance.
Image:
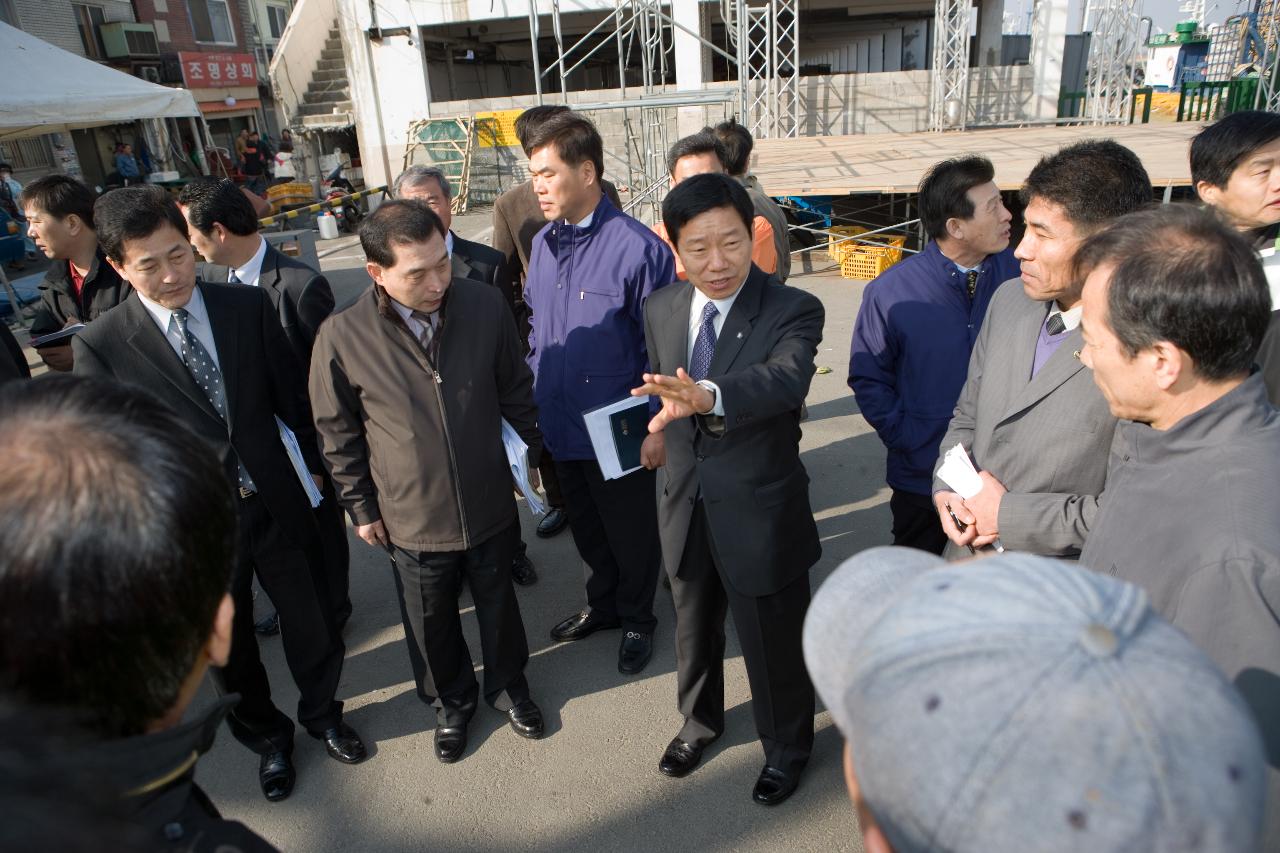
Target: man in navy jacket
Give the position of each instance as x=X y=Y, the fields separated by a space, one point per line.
x=590 y=271
x=916 y=330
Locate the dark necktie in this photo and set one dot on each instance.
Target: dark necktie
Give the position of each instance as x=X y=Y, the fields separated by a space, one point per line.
x=1055 y=325
x=206 y=374
x=704 y=346
x=971 y=282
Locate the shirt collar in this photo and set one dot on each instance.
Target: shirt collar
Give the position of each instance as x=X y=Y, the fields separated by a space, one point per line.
x=195 y=309
x=585 y=222
x=1070 y=319
x=252 y=269
x=700 y=299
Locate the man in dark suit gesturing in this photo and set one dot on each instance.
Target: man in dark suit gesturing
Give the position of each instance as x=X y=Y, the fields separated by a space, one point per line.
x=224 y=229
x=472 y=260
x=733 y=355
x=217 y=356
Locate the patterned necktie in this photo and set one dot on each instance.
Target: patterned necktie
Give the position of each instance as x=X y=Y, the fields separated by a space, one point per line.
x=704 y=347
x=206 y=374
x=232 y=278
x=428 y=329
x=1055 y=325
x=971 y=282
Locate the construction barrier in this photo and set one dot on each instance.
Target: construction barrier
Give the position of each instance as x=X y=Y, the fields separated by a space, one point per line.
x=319 y=206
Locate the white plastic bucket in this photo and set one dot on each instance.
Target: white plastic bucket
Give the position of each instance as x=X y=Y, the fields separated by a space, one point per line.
x=328 y=226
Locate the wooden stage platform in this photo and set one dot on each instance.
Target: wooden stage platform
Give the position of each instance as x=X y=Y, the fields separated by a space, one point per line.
x=895 y=162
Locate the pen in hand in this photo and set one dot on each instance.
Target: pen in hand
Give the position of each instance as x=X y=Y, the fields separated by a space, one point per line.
x=960 y=525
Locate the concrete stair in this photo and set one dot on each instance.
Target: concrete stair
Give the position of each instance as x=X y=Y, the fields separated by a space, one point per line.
x=328 y=94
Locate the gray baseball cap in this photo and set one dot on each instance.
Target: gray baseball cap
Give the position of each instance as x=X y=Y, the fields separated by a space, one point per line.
x=1018 y=703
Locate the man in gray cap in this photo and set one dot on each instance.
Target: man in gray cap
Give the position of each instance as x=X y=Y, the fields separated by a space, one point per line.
x=1019 y=703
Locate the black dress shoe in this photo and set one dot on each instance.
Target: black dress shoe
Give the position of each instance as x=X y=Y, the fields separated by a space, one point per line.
x=552 y=523
x=774 y=786
x=526 y=720
x=634 y=653
x=276 y=775
x=582 y=625
x=522 y=571
x=680 y=758
x=451 y=742
x=268 y=626
x=342 y=743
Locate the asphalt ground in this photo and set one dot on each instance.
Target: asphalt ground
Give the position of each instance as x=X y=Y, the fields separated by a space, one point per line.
x=592 y=783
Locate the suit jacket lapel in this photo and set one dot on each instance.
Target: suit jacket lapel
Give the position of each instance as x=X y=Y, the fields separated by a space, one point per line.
x=145 y=336
x=269 y=275
x=216 y=273
x=1060 y=367
x=737 y=326
x=461 y=268
x=226 y=338
x=675 y=347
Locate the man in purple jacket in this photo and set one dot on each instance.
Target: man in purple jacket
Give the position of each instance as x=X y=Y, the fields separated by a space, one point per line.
x=590 y=271
x=916 y=330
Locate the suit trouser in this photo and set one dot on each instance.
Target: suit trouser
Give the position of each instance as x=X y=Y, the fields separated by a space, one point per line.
x=615 y=527
x=769 y=631
x=427 y=582
x=550 y=480
x=312 y=648
x=336 y=559
x=916 y=523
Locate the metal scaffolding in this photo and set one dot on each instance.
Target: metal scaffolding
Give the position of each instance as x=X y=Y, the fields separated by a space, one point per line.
x=764 y=40
x=765 y=34
x=1267 y=55
x=1109 y=72
x=949 y=97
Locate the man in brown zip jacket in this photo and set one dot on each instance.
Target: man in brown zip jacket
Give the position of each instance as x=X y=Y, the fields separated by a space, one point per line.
x=409 y=387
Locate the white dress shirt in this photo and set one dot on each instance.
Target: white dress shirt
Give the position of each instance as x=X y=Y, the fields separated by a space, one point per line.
x=252 y=269
x=197 y=323
x=723 y=307
x=1070 y=319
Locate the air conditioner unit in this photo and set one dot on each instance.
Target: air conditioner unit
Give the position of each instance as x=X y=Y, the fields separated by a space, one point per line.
x=124 y=39
x=150 y=73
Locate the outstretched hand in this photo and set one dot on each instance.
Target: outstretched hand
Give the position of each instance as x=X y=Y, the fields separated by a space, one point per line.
x=681 y=397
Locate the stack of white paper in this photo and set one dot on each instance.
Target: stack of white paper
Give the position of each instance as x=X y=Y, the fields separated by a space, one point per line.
x=957 y=471
x=518 y=459
x=290 y=442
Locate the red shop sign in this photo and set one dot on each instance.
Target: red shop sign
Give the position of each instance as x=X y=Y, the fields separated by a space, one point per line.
x=218 y=70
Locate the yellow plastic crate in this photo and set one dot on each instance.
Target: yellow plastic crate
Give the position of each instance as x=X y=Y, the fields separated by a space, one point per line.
x=864 y=266
x=294 y=193
x=891 y=250
x=835 y=249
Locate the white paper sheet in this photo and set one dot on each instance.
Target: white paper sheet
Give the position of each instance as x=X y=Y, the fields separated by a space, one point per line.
x=518 y=460
x=290 y=442
x=957 y=471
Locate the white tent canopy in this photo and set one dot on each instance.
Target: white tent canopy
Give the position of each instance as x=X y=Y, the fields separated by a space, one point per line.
x=50 y=90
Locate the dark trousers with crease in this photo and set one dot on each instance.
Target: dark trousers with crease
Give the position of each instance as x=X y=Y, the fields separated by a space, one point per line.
x=550 y=480
x=312 y=648
x=427 y=582
x=769 y=630
x=916 y=523
x=336 y=557
x=615 y=527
